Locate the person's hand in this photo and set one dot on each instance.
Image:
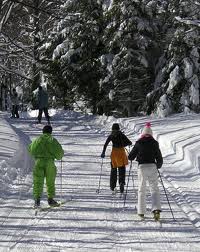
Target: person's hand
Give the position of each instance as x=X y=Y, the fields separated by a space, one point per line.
x=102 y=155
x=158 y=166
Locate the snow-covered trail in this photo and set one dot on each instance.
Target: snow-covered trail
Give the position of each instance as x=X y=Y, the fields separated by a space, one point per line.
x=90 y=221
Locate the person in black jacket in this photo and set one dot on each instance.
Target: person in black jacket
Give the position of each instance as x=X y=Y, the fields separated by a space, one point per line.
x=15 y=104
x=118 y=156
x=43 y=104
x=148 y=155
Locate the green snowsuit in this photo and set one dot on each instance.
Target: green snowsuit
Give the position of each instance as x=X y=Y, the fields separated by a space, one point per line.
x=45 y=149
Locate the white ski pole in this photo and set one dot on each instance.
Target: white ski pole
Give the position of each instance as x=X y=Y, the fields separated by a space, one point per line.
x=61 y=193
x=166 y=195
x=98 y=190
x=127 y=184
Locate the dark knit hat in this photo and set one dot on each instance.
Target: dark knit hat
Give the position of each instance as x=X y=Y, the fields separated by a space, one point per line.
x=47 y=129
x=115 y=126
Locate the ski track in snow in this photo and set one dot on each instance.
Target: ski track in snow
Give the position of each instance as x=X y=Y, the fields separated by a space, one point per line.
x=99 y=222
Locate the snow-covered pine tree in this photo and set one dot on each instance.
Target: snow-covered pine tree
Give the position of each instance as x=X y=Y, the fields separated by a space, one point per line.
x=177 y=80
x=120 y=52
x=129 y=39
x=73 y=51
x=42 y=16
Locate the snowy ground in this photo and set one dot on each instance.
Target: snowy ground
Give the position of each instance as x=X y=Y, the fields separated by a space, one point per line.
x=94 y=221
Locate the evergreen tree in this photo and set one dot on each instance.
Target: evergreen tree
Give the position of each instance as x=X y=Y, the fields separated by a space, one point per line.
x=74 y=49
x=178 y=76
x=129 y=39
x=42 y=17
x=117 y=57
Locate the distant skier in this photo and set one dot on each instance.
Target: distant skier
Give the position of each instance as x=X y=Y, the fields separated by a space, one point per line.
x=45 y=149
x=43 y=104
x=147 y=152
x=119 y=159
x=15 y=104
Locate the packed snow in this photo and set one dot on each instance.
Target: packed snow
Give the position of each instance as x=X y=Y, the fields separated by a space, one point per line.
x=99 y=221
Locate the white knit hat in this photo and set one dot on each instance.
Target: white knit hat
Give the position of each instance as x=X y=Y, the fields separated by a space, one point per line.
x=147 y=129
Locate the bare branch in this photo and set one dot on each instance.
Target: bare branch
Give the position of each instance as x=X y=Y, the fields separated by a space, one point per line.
x=17 y=45
x=188 y=21
x=14 y=72
x=36 y=8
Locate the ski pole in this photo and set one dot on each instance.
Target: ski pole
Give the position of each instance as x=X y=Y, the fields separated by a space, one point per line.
x=133 y=179
x=166 y=194
x=61 y=165
x=128 y=151
x=127 y=184
x=98 y=190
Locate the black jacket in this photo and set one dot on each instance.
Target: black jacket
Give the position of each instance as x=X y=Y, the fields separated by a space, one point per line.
x=146 y=150
x=118 y=140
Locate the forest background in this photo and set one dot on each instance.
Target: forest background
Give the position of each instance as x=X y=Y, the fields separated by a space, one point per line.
x=122 y=58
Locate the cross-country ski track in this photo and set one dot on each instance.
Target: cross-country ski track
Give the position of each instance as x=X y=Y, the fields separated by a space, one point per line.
x=94 y=221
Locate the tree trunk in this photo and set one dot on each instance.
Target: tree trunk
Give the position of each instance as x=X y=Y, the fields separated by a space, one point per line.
x=1 y=2
x=36 y=40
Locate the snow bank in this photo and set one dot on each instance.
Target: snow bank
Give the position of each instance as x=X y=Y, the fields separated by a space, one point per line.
x=15 y=163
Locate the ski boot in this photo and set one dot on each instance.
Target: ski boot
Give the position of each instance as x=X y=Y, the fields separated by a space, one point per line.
x=114 y=191
x=156 y=215
x=53 y=203
x=141 y=216
x=121 y=188
x=37 y=203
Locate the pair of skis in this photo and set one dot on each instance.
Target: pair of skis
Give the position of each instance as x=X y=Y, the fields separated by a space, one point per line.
x=47 y=208
x=115 y=193
x=158 y=223
x=144 y=219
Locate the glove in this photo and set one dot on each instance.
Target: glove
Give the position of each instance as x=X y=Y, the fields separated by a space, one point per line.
x=158 y=166
x=102 y=155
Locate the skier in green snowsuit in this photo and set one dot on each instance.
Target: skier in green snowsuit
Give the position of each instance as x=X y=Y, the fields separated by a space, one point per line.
x=45 y=149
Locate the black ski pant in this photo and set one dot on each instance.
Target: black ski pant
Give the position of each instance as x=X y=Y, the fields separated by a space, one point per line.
x=45 y=113
x=113 y=176
x=15 y=112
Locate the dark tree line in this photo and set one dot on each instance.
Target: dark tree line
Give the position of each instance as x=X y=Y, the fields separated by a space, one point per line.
x=125 y=58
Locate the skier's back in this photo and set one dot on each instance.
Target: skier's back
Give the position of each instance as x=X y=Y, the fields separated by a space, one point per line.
x=147 y=152
x=45 y=149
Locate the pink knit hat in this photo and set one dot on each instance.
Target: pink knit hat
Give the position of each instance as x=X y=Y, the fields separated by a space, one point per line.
x=147 y=129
